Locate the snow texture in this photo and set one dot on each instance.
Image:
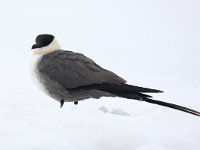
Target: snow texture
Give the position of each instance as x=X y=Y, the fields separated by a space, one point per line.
x=149 y=43
x=116 y=111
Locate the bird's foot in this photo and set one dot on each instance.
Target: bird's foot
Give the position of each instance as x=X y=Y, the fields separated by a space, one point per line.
x=62 y=103
x=76 y=102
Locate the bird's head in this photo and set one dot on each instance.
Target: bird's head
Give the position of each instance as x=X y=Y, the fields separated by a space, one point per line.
x=45 y=43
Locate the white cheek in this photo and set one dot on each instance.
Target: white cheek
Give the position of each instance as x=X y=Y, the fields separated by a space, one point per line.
x=47 y=49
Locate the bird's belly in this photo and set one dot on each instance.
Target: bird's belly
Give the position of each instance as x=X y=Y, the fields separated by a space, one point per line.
x=35 y=74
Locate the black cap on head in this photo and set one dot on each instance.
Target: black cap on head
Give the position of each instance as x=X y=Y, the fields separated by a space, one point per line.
x=43 y=40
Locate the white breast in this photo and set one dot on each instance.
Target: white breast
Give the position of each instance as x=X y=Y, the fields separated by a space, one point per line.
x=34 y=72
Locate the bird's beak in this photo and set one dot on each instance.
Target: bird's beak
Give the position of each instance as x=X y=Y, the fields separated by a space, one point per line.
x=35 y=46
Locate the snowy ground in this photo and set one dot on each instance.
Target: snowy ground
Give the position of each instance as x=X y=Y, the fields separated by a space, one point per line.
x=149 y=43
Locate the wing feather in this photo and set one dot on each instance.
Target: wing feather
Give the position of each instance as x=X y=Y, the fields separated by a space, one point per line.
x=73 y=70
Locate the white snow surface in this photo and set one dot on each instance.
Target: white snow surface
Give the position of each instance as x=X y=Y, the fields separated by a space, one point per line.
x=149 y=43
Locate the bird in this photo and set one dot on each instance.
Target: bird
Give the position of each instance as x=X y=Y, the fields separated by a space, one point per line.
x=69 y=76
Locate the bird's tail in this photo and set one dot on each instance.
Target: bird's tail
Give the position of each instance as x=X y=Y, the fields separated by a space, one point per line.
x=137 y=93
x=161 y=103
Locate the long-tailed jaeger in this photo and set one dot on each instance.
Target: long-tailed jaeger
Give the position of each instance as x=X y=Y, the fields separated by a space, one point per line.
x=68 y=76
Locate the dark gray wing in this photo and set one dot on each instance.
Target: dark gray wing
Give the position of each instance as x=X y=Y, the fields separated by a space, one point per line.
x=73 y=70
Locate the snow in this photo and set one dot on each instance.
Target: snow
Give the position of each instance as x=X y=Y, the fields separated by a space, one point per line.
x=149 y=43
x=116 y=111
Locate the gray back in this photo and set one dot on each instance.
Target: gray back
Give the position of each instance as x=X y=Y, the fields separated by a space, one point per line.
x=73 y=70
